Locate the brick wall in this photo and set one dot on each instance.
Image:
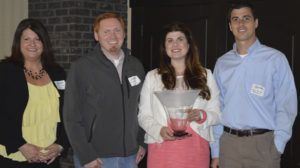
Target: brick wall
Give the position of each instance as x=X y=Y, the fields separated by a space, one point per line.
x=70 y=26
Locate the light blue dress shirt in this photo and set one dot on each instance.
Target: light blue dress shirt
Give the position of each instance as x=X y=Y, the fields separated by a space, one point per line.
x=257 y=91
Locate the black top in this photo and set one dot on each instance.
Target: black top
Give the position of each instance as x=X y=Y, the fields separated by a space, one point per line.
x=13 y=101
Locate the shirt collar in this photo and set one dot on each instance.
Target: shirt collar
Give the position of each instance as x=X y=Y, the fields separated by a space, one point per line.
x=251 y=49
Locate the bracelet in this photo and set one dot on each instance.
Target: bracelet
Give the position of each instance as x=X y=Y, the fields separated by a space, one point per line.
x=203 y=118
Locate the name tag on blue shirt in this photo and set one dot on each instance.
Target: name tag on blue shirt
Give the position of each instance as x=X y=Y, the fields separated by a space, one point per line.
x=257 y=90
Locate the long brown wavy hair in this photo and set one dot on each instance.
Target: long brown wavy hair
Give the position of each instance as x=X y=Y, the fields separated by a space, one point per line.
x=194 y=74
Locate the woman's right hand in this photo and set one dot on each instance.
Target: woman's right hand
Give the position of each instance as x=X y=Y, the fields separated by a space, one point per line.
x=166 y=134
x=30 y=152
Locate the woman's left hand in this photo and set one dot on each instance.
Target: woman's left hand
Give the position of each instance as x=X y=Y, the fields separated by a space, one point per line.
x=194 y=115
x=53 y=151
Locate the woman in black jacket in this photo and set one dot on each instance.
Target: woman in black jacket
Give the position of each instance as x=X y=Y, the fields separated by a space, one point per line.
x=31 y=94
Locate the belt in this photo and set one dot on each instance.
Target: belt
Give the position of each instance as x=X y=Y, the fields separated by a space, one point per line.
x=242 y=133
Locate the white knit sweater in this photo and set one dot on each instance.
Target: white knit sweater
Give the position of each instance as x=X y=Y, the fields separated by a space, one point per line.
x=152 y=116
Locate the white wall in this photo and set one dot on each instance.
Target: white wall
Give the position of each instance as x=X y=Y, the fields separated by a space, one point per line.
x=11 y=13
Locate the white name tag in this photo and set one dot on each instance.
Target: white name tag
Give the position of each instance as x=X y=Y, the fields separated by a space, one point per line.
x=257 y=90
x=60 y=84
x=134 y=80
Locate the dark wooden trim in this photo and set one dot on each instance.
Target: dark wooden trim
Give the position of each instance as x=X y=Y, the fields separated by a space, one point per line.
x=157 y=3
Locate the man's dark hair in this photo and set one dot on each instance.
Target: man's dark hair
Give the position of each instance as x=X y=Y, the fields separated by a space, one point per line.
x=239 y=5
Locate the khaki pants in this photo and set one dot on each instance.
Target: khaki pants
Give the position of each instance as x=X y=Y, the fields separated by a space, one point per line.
x=256 y=151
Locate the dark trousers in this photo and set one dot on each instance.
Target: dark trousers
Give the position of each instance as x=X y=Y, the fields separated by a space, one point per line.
x=8 y=163
x=257 y=151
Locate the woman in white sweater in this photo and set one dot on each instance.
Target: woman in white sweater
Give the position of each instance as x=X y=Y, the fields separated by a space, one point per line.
x=179 y=69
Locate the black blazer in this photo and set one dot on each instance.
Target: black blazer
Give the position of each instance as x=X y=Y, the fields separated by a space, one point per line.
x=13 y=100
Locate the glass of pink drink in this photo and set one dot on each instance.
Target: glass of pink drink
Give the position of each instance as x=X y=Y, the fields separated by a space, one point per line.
x=178 y=120
x=176 y=104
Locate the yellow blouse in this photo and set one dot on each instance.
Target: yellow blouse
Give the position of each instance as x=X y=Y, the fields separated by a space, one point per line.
x=40 y=118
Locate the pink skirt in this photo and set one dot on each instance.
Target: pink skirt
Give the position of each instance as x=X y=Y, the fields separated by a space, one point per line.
x=191 y=152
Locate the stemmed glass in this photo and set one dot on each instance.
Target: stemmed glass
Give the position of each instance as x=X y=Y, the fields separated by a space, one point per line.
x=176 y=104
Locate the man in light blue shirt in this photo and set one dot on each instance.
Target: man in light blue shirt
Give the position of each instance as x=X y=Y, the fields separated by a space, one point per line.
x=258 y=98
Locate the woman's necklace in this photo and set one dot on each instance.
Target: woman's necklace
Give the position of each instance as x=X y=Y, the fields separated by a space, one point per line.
x=35 y=75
